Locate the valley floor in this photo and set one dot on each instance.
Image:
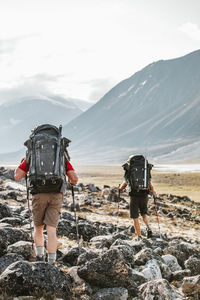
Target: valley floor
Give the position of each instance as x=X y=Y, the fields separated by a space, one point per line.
x=177 y=183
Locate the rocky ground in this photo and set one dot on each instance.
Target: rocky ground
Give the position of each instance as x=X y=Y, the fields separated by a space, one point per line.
x=109 y=262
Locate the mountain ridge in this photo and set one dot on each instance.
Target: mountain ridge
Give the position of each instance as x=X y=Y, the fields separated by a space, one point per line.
x=155 y=112
x=157 y=105
x=18 y=117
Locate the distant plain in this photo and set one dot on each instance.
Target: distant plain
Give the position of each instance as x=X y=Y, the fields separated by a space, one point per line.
x=167 y=182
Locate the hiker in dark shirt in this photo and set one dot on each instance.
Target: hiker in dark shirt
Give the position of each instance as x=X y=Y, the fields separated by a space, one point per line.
x=138 y=203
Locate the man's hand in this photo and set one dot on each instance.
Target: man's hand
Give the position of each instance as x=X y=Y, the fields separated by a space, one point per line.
x=155 y=196
x=72 y=177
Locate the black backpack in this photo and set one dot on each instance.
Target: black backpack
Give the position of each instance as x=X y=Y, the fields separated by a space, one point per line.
x=138 y=172
x=46 y=158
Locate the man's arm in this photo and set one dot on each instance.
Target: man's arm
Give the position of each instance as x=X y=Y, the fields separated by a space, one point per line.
x=19 y=174
x=152 y=189
x=21 y=170
x=73 y=178
x=122 y=186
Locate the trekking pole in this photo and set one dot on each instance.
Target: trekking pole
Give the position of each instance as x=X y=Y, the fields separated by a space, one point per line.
x=29 y=209
x=74 y=204
x=118 y=199
x=156 y=210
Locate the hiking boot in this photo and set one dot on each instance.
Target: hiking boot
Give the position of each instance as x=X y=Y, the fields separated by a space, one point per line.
x=138 y=239
x=149 y=232
x=40 y=258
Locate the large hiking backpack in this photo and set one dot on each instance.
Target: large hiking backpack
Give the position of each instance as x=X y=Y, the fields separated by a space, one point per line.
x=46 y=157
x=138 y=172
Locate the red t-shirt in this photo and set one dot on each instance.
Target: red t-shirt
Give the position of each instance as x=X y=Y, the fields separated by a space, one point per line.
x=23 y=166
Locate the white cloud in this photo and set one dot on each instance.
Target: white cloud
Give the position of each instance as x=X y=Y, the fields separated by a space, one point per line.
x=81 y=49
x=191 y=29
x=99 y=87
x=14 y=121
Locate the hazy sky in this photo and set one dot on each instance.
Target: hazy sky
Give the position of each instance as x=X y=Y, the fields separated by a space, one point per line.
x=82 y=48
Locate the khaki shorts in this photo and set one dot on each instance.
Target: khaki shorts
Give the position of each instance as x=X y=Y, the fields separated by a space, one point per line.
x=46 y=208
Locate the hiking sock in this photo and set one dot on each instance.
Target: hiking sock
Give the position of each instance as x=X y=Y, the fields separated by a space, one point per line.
x=39 y=251
x=51 y=258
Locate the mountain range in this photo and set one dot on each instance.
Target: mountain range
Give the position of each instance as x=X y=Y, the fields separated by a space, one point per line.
x=18 y=117
x=155 y=112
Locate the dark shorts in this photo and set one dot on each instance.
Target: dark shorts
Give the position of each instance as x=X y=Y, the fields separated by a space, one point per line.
x=46 y=208
x=138 y=203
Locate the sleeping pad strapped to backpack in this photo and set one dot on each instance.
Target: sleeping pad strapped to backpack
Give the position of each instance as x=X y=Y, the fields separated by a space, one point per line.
x=138 y=172
x=46 y=157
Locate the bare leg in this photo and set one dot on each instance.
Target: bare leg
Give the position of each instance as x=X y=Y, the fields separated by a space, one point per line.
x=145 y=219
x=52 y=244
x=148 y=229
x=39 y=242
x=137 y=226
x=52 y=239
x=38 y=236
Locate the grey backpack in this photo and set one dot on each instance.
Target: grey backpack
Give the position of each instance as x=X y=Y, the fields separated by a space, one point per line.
x=46 y=158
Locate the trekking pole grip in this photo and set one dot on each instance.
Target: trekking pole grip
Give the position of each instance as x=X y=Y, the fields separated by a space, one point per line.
x=72 y=187
x=119 y=190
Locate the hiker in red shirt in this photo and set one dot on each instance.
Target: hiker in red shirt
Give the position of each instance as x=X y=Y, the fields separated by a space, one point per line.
x=46 y=209
x=48 y=164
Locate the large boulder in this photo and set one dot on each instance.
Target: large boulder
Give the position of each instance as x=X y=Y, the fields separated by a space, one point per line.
x=35 y=279
x=86 y=229
x=9 y=174
x=165 y=271
x=66 y=228
x=24 y=248
x=72 y=255
x=181 y=250
x=179 y=275
x=16 y=209
x=193 y=264
x=9 y=236
x=160 y=289
x=127 y=253
x=172 y=262
x=110 y=270
x=111 y=294
x=10 y=185
x=9 y=259
x=191 y=286
x=152 y=270
x=101 y=241
x=86 y=256
x=5 y=211
x=118 y=238
x=14 y=221
x=143 y=256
